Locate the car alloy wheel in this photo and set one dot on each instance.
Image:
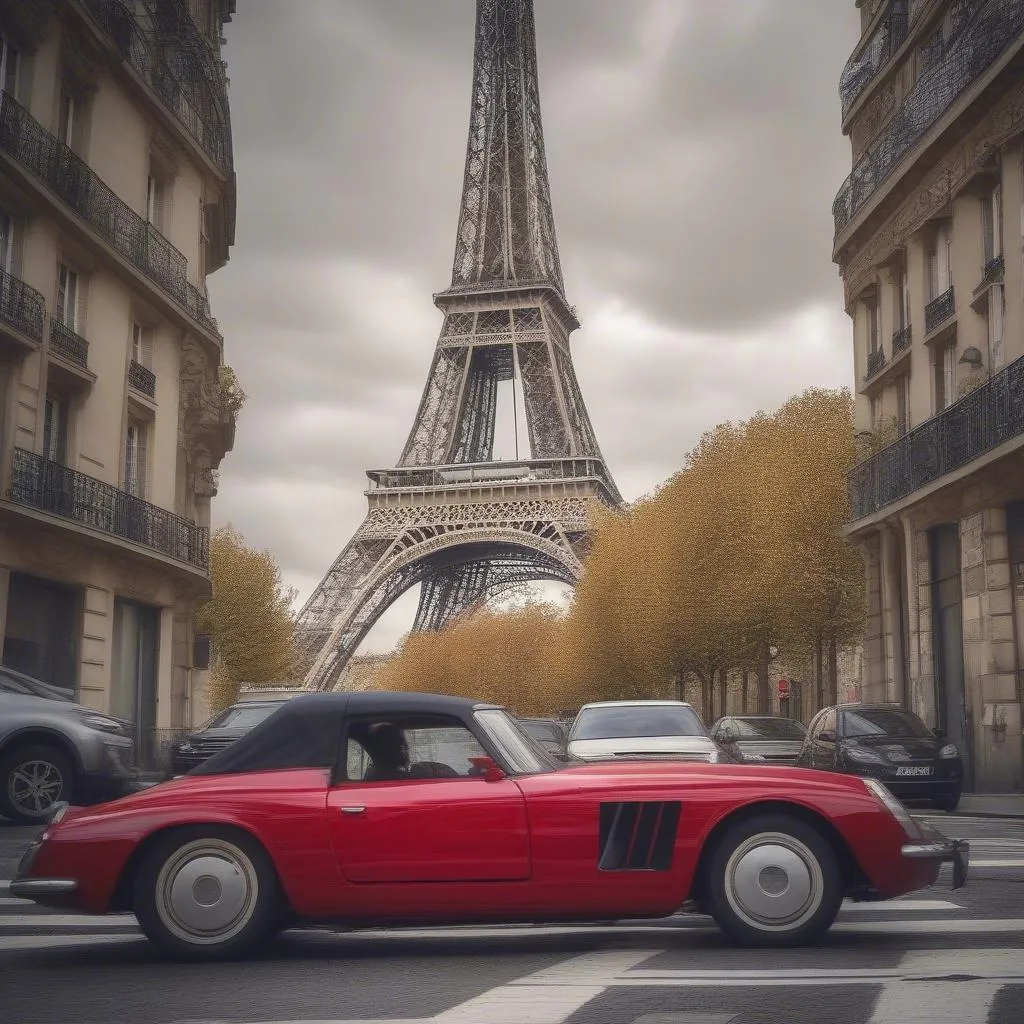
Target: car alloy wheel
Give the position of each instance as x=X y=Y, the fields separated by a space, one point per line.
x=206 y=893
x=34 y=779
x=773 y=881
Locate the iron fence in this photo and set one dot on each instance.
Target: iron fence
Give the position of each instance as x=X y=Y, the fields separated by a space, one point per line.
x=21 y=306
x=199 y=308
x=50 y=487
x=141 y=378
x=901 y=339
x=986 y=30
x=980 y=421
x=68 y=343
x=993 y=271
x=876 y=361
x=939 y=310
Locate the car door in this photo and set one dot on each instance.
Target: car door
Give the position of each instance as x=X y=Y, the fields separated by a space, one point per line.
x=441 y=821
x=826 y=743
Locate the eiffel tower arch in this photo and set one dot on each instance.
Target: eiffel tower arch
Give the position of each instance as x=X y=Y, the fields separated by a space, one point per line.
x=449 y=517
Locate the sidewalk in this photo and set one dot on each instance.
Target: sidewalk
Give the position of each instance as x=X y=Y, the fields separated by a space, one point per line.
x=996 y=805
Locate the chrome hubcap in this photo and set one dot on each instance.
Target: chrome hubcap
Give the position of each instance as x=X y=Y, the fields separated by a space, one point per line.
x=774 y=882
x=207 y=891
x=34 y=787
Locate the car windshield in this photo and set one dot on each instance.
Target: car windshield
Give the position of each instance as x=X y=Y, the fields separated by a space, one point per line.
x=610 y=723
x=866 y=722
x=242 y=716
x=26 y=685
x=523 y=754
x=764 y=728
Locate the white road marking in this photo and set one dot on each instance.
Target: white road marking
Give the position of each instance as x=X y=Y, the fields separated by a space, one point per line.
x=86 y=921
x=15 y=943
x=899 y=905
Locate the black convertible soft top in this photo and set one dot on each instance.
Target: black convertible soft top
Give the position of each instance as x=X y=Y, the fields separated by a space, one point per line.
x=306 y=731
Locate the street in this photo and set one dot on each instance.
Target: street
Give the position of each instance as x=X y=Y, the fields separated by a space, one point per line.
x=955 y=957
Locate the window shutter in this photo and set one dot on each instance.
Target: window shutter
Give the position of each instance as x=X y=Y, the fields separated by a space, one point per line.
x=987 y=235
x=81 y=304
x=933 y=271
x=142 y=459
x=997 y=222
x=62 y=291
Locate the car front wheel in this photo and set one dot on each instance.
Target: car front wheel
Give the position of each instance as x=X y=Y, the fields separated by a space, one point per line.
x=207 y=893
x=33 y=778
x=773 y=880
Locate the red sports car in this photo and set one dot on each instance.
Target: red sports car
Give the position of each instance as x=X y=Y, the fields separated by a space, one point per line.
x=372 y=809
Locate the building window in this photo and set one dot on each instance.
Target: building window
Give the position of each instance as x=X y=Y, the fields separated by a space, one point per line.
x=900 y=300
x=135 y=457
x=142 y=345
x=996 y=312
x=903 y=403
x=991 y=225
x=874 y=410
x=9 y=59
x=69 y=296
x=156 y=190
x=55 y=429
x=6 y=241
x=66 y=118
x=945 y=376
x=873 y=338
x=940 y=276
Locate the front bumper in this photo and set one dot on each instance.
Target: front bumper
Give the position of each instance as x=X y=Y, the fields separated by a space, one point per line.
x=41 y=888
x=937 y=849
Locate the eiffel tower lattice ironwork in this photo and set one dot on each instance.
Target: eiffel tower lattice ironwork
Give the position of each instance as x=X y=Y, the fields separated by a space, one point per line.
x=449 y=516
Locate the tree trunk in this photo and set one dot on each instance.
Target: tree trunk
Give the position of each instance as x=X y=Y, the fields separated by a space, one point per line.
x=764 y=696
x=819 y=674
x=677 y=681
x=745 y=683
x=833 y=671
x=723 y=678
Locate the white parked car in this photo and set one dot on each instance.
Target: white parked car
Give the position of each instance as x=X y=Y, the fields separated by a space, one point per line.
x=623 y=729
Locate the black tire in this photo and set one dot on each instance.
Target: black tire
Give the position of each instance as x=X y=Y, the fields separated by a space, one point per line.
x=43 y=762
x=220 y=859
x=760 y=860
x=948 y=803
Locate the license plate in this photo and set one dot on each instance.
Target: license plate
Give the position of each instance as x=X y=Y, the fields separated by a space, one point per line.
x=913 y=771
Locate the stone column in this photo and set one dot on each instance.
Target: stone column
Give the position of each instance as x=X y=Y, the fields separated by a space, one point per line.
x=874 y=666
x=922 y=664
x=95 y=682
x=892 y=603
x=990 y=657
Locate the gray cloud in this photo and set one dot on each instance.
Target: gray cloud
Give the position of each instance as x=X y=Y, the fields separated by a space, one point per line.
x=694 y=150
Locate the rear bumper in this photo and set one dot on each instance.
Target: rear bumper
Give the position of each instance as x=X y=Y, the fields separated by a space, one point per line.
x=937 y=849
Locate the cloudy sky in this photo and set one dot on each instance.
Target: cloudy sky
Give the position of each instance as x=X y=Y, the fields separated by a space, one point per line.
x=694 y=151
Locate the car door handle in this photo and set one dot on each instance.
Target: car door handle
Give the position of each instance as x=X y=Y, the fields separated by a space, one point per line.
x=353 y=810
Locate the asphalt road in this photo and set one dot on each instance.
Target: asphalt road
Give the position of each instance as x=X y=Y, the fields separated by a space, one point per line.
x=950 y=957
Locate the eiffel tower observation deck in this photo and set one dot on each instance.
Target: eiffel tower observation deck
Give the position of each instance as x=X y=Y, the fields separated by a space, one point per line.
x=449 y=516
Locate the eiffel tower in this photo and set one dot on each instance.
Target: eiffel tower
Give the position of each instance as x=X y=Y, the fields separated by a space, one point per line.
x=449 y=516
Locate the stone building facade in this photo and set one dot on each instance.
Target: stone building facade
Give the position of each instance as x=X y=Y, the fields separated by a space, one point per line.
x=930 y=244
x=117 y=200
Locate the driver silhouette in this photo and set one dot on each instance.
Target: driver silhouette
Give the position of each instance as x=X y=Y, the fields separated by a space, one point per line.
x=389 y=753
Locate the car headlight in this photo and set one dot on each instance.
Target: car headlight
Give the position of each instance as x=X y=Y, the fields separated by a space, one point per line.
x=949 y=750
x=894 y=807
x=103 y=723
x=864 y=756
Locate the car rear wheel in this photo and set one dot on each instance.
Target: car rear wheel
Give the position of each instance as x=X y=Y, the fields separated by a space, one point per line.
x=207 y=893
x=33 y=778
x=773 y=880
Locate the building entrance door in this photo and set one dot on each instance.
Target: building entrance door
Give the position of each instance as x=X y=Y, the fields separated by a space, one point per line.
x=948 y=644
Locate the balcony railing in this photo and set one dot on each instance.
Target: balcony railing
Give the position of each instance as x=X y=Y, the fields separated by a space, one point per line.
x=993 y=271
x=21 y=307
x=901 y=340
x=980 y=421
x=71 y=178
x=993 y=27
x=862 y=69
x=141 y=378
x=70 y=345
x=463 y=473
x=876 y=360
x=57 y=490
x=182 y=94
x=199 y=308
x=939 y=310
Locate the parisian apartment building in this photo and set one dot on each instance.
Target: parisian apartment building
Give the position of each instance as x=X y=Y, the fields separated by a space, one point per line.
x=117 y=200
x=929 y=237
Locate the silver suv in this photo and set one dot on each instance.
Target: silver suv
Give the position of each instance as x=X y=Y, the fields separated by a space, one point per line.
x=52 y=749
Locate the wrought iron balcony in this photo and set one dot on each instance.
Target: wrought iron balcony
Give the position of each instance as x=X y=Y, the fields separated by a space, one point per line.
x=199 y=308
x=980 y=421
x=992 y=27
x=901 y=340
x=21 y=307
x=182 y=94
x=939 y=310
x=993 y=271
x=876 y=361
x=141 y=378
x=55 y=489
x=864 y=66
x=71 y=178
x=68 y=343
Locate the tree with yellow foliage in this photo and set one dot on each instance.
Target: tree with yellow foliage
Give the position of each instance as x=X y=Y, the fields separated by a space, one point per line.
x=248 y=618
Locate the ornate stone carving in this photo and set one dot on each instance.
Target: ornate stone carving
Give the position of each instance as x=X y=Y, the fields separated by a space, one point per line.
x=946 y=179
x=205 y=427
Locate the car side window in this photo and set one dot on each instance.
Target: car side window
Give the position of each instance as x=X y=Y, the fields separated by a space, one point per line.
x=828 y=723
x=814 y=728
x=394 y=749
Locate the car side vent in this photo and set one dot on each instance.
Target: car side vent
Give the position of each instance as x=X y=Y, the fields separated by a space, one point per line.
x=637 y=836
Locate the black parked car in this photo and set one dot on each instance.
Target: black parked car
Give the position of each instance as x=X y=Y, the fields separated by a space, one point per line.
x=761 y=738
x=888 y=743
x=549 y=733
x=221 y=731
